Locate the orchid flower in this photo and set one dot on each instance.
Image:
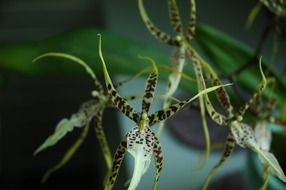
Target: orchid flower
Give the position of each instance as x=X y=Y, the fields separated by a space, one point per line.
x=140 y=141
x=241 y=133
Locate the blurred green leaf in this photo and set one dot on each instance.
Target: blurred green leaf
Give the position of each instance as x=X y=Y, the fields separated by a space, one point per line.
x=228 y=54
x=120 y=52
x=121 y=55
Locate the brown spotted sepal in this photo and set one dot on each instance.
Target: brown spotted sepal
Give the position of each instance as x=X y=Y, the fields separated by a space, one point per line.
x=117 y=160
x=140 y=145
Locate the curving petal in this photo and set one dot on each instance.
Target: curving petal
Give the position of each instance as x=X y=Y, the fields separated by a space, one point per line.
x=221 y=93
x=118 y=101
x=178 y=62
x=228 y=149
x=75 y=59
x=191 y=30
x=100 y=135
x=165 y=38
x=175 y=16
x=163 y=114
x=157 y=151
x=117 y=160
x=201 y=86
x=257 y=93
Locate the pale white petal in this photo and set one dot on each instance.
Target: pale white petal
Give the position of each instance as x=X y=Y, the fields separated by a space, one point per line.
x=243 y=135
x=140 y=146
x=263 y=135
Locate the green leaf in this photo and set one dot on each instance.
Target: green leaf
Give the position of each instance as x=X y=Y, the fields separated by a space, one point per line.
x=82 y=43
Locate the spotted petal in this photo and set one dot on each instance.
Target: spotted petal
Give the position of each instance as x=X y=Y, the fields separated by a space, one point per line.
x=159 y=161
x=140 y=146
x=117 y=160
x=164 y=114
x=192 y=21
x=228 y=149
x=165 y=38
x=175 y=16
x=118 y=101
x=150 y=88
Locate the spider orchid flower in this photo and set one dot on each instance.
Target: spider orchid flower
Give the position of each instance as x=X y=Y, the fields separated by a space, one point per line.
x=140 y=141
x=244 y=135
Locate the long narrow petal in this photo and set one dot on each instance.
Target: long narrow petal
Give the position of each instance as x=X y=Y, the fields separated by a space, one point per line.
x=217 y=117
x=150 y=87
x=191 y=30
x=119 y=102
x=229 y=146
x=221 y=93
x=161 y=115
x=178 y=62
x=257 y=93
x=158 y=160
x=165 y=38
x=100 y=135
x=201 y=86
x=117 y=160
x=175 y=16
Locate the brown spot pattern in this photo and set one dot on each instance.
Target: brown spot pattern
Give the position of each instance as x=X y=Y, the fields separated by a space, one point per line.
x=191 y=30
x=174 y=16
x=117 y=160
x=100 y=135
x=121 y=104
x=157 y=150
x=165 y=38
x=149 y=91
